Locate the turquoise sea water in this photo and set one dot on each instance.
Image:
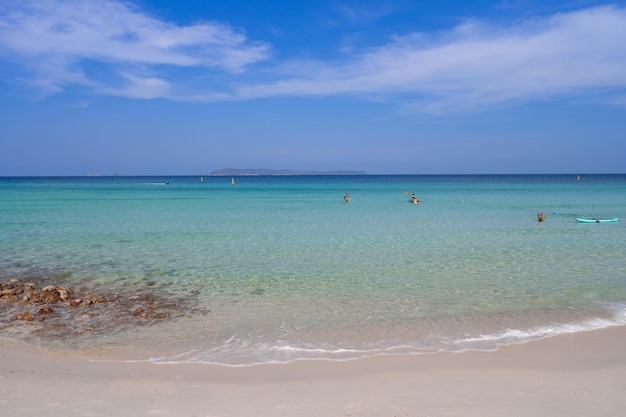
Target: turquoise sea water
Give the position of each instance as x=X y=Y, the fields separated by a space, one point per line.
x=281 y=268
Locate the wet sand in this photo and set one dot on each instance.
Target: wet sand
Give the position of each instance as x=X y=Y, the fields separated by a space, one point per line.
x=582 y=374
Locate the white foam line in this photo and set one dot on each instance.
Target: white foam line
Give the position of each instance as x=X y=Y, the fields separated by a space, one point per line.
x=482 y=342
x=517 y=335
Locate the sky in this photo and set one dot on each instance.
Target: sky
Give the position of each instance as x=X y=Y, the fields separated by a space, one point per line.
x=185 y=87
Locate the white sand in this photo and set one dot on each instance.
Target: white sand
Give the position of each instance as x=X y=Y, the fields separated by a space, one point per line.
x=572 y=375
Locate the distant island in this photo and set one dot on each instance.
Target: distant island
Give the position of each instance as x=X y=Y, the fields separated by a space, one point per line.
x=262 y=171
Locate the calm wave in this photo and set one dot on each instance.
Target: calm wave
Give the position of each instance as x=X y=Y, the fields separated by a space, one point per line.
x=280 y=268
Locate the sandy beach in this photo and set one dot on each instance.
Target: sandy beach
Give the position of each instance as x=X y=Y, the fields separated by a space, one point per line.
x=571 y=375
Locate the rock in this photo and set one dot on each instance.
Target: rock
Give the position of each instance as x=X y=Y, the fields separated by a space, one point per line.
x=24 y=316
x=7 y=292
x=51 y=294
x=9 y=299
x=63 y=310
x=64 y=293
x=96 y=298
x=46 y=310
x=76 y=302
x=33 y=297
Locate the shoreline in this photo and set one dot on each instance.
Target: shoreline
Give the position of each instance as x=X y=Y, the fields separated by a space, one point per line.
x=578 y=374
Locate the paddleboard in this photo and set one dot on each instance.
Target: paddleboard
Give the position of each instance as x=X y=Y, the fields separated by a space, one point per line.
x=593 y=220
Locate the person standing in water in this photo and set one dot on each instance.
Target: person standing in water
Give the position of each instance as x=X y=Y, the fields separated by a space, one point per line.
x=346 y=198
x=414 y=199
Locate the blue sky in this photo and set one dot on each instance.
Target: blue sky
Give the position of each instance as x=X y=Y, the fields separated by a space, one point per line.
x=147 y=87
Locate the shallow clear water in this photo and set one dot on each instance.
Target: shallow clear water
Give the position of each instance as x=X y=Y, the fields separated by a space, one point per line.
x=280 y=268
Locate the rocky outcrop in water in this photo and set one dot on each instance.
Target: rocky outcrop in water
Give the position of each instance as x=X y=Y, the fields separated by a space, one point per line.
x=28 y=295
x=61 y=311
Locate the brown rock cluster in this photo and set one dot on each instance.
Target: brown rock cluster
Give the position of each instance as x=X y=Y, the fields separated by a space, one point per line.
x=28 y=294
x=61 y=311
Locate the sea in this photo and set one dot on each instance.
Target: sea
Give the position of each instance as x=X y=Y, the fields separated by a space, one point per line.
x=249 y=270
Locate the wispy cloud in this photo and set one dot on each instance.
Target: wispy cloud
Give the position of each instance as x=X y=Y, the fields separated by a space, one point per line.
x=60 y=42
x=114 y=49
x=477 y=64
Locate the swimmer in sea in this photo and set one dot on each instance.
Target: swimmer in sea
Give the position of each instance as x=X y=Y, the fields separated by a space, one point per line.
x=346 y=198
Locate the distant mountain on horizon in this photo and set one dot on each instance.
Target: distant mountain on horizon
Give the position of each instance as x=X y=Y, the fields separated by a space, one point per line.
x=263 y=171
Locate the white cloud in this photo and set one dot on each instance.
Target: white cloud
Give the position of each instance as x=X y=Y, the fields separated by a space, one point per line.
x=477 y=64
x=113 y=49
x=58 y=39
x=141 y=87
